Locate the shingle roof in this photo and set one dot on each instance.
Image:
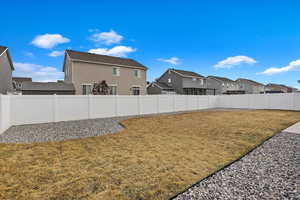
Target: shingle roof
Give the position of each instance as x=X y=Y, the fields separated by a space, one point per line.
x=50 y=86
x=251 y=81
x=221 y=78
x=2 y=49
x=163 y=85
x=22 y=79
x=91 y=57
x=187 y=73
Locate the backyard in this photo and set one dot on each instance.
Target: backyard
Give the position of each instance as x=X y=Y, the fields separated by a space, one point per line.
x=154 y=157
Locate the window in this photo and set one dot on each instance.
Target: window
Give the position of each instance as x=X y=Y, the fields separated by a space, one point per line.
x=135 y=90
x=194 y=79
x=116 y=71
x=137 y=73
x=169 y=80
x=112 y=90
x=86 y=89
x=201 y=81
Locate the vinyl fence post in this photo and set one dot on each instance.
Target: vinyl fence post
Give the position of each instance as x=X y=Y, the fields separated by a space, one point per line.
x=54 y=108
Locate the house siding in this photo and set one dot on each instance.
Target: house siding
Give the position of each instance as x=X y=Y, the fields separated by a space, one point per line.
x=176 y=81
x=153 y=89
x=5 y=74
x=214 y=84
x=68 y=69
x=89 y=73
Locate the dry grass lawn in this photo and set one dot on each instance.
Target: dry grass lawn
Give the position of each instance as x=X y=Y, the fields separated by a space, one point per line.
x=153 y=158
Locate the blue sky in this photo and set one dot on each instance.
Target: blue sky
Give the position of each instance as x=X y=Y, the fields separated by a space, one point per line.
x=259 y=40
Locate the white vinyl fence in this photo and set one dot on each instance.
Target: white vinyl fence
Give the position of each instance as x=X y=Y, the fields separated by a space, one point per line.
x=27 y=109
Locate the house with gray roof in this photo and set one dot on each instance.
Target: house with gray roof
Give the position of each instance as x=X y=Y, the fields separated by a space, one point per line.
x=47 y=88
x=160 y=88
x=124 y=76
x=6 y=68
x=224 y=85
x=181 y=81
x=250 y=86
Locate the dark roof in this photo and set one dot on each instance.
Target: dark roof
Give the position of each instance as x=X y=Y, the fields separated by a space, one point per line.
x=50 y=86
x=2 y=49
x=187 y=73
x=221 y=78
x=251 y=81
x=163 y=85
x=22 y=79
x=91 y=57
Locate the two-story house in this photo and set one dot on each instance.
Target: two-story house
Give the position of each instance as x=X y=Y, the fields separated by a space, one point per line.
x=278 y=88
x=224 y=85
x=250 y=86
x=6 y=68
x=179 y=81
x=123 y=76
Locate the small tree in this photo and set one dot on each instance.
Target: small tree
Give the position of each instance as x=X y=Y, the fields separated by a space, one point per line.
x=100 y=88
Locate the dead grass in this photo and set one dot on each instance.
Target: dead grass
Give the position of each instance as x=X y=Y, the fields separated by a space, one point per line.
x=153 y=158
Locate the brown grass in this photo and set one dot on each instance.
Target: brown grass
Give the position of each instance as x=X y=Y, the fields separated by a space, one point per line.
x=153 y=158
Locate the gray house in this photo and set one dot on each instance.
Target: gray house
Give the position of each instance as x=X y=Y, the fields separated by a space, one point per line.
x=49 y=88
x=181 y=82
x=6 y=68
x=224 y=85
x=250 y=86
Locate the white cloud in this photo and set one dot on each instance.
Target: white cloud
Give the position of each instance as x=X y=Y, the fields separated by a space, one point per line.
x=120 y=51
x=48 y=41
x=277 y=70
x=56 y=53
x=172 y=60
x=233 y=61
x=37 y=72
x=107 y=38
x=29 y=54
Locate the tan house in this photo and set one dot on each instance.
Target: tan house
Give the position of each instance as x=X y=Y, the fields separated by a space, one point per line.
x=6 y=68
x=123 y=76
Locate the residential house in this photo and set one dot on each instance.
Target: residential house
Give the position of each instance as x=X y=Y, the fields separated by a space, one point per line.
x=6 y=68
x=49 y=88
x=123 y=76
x=160 y=88
x=224 y=85
x=250 y=86
x=278 y=88
x=181 y=81
x=18 y=81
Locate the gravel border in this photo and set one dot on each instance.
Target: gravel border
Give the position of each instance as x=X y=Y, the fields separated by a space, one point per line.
x=271 y=171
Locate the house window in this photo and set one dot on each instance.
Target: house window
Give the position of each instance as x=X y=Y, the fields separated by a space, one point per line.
x=137 y=73
x=169 y=80
x=86 y=89
x=201 y=81
x=112 y=90
x=135 y=90
x=116 y=71
x=194 y=79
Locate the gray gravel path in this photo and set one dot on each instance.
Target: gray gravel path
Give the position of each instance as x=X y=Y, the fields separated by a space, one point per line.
x=59 y=131
x=271 y=171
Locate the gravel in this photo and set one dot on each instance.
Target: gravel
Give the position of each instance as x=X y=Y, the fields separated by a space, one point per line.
x=59 y=131
x=271 y=171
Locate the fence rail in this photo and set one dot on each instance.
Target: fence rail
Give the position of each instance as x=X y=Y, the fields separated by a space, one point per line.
x=27 y=109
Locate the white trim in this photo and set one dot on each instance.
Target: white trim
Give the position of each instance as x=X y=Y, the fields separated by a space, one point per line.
x=4 y=51
x=118 y=71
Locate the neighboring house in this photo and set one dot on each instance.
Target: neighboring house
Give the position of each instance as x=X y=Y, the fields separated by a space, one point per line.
x=50 y=88
x=160 y=88
x=6 y=68
x=123 y=76
x=277 y=88
x=18 y=81
x=224 y=85
x=250 y=86
x=182 y=82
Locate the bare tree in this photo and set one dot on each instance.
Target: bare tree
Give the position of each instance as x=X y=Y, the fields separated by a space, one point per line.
x=100 y=88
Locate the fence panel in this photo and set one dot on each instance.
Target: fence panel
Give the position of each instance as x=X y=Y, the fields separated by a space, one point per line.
x=192 y=102
x=166 y=103
x=180 y=102
x=71 y=107
x=31 y=109
x=281 y=101
x=296 y=101
x=102 y=106
x=148 y=104
x=4 y=113
x=127 y=105
x=203 y=102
